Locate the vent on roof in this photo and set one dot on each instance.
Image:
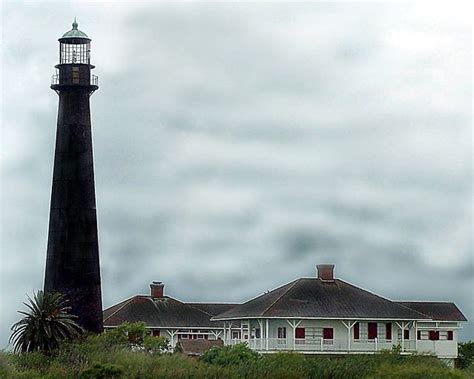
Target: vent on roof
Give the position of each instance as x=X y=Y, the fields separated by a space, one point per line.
x=157 y=289
x=325 y=272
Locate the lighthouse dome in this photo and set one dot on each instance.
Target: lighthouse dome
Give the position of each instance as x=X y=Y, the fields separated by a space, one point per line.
x=75 y=32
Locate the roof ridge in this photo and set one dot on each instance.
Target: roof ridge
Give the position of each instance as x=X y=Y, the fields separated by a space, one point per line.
x=383 y=298
x=424 y=301
x=292 y=284
x=202 y=310
x=414 y=310
x=125 y=302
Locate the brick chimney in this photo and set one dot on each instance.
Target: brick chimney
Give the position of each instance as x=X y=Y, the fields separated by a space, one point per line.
x=325 y=273
x=157 y=289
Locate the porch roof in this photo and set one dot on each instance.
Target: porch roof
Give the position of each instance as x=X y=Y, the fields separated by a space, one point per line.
x=436 y=310
x=314 y=298
x=164 y=312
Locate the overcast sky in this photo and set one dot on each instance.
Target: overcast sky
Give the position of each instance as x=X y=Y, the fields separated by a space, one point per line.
x=238 y=145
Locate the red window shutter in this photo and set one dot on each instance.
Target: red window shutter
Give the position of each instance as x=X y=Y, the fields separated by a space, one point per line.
x=372 y=330
x=356 y=331
x=388 y=331
x=406 y=334
x=418 y=334
x=328 y=333
x=156 y=333
x=450 y=335
x=434 y=335
x=300 y=332
x=206 y=337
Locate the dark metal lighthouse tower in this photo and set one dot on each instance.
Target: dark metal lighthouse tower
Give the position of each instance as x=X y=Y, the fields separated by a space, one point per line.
x=72 y=263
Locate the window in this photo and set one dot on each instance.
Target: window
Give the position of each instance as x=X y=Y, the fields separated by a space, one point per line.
x=300 y=333
x=356 y=331
x=388 y=331
x=372 y=330
x=257 y=333
x=450 y=335
x=156 y=333
x=406 y=334
x=433 y=335
x=282 y=332
x=235 y=335
x=328 y=333
x=418 y=334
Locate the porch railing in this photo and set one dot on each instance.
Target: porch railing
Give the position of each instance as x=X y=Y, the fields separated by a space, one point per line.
x=321 y=345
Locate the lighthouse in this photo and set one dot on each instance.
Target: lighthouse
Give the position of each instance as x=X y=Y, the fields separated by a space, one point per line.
x=72 y=261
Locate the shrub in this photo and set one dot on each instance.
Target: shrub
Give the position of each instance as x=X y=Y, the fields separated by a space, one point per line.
x=156 y=345
x=125 y=335
x=388 y=371
x=466 y=354
x=102 y=371
x=230 y=355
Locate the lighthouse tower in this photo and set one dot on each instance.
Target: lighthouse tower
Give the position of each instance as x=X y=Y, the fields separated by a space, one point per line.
x=72 y=262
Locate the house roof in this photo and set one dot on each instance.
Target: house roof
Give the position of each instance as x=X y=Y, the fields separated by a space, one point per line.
x=436 y=310
x=164 y=312
x=213 y=309
x=198 y=347
x=314 y=298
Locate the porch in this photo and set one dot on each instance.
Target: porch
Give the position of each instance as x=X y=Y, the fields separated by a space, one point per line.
x=323 y=336
x=323 y=346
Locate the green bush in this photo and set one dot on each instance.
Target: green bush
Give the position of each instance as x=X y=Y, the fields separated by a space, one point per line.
x=126 y=335
x=466 y=354
x=102 y=371
x=388 y=371
x=156 y=345
x=230 y=355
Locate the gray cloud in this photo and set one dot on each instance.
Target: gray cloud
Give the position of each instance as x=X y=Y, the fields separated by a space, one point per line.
x=236 y=145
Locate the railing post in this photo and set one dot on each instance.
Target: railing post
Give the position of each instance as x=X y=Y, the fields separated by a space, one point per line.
x=376 y=342
x=322 y=343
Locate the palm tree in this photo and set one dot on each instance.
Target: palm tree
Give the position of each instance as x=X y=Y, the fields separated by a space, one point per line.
x=45 y=325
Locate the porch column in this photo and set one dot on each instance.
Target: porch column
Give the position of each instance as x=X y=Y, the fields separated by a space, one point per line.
x=224 y=336
x=294 y=325
x=402 y=327
x=250 y=333
x=349 y=325
x=266 y=334
x=260 y=324
x=172 y=333
x=415 y=324
x=241 y=331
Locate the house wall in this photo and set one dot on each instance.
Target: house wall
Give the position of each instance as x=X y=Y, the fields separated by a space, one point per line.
x=313 y=341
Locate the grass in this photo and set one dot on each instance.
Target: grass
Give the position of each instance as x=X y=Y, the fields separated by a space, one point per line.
x=91 y=359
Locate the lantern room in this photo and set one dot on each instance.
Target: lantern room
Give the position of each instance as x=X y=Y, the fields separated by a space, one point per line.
x=74 y=67
x=74 y=47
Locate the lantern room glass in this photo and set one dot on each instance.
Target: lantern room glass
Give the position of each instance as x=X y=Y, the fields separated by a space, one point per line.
x=74 y=53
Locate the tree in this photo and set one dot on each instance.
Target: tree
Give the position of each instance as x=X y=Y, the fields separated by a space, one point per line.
x=466 y=354
x=45 y=325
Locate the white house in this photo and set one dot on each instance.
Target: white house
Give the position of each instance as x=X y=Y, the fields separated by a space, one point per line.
x=324 y=315
x=320 y=315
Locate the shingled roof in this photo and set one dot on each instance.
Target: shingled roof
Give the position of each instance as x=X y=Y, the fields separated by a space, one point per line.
x=198 y=347
x=436 y=310
x=316 y=298
x=163 y=312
